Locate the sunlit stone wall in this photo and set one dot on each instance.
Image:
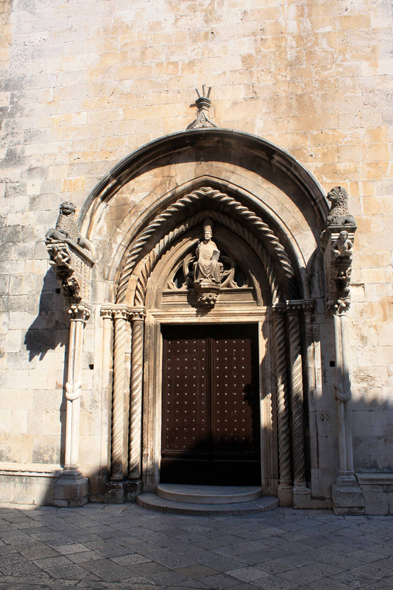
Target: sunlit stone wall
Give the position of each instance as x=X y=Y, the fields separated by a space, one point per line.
x=85 y=83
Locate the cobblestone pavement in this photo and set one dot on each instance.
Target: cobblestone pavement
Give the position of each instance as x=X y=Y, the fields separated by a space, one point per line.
x=125 y=546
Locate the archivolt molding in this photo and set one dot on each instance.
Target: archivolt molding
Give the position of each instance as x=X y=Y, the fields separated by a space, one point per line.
x=148 y=263
x=233 y=205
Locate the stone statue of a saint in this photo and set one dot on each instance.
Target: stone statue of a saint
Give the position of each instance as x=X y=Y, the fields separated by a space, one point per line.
x=207 y=267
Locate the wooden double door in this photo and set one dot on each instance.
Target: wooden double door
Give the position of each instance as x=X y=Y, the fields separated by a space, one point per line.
x=210 y=405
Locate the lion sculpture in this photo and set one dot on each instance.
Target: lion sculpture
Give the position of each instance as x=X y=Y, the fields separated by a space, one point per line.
x=66 y=228
x=339 y=214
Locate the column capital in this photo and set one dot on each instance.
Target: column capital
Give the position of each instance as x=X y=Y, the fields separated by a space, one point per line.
x=116 y=311
x=137 y=313
x=293 y=306
x=279 y=309
x=79 y=312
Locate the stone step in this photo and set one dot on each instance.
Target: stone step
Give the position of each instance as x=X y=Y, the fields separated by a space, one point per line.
x=194 y=494
x=154 y=502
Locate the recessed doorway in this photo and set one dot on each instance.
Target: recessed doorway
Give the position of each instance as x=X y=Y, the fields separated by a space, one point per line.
x=210 y=405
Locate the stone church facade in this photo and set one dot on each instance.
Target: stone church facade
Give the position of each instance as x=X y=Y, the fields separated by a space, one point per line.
x=196 y=260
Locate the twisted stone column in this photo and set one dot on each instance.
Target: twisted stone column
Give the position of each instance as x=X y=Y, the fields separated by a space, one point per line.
x=120 y=315
x=135 y=439
x=284 y=439
x=296 y=376
x=79 y=315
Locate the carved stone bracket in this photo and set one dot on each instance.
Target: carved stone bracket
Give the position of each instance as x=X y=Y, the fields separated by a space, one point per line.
x=337 y=247
x=72 y=265
x=71 y=255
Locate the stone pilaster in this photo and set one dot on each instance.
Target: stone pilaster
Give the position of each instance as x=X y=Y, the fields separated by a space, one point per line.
x=72 y=488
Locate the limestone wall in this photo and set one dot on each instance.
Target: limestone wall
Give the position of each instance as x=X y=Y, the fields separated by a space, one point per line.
x=85 y=83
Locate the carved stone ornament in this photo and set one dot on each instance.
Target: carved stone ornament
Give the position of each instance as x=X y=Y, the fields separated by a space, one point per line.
x=70 y=255
x=207 y=268
x=203 y=104
x=337 y=246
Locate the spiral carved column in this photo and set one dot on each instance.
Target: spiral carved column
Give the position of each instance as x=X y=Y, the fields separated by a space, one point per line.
x=135 y=439
x=296 y=376
x=120 y=315
x=284 y=438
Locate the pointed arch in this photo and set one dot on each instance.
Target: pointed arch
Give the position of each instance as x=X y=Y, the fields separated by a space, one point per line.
x=256 y=232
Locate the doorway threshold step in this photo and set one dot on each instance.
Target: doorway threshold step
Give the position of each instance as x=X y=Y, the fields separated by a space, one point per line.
x=194 y=494
x=153 y=502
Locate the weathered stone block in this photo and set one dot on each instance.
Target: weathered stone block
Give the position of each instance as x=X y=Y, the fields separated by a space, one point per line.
x=71 y=490
x=347 y=500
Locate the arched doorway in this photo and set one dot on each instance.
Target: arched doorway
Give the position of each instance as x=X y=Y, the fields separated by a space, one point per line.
x=267 y=213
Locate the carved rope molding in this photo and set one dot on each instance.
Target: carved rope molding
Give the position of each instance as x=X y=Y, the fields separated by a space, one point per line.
x=149 y=262
x=185 y=201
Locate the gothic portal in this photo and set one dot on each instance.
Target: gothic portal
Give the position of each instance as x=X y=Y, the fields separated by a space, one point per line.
x=208 y=273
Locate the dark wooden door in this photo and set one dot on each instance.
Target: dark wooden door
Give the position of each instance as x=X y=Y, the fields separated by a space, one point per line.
x=210 y=405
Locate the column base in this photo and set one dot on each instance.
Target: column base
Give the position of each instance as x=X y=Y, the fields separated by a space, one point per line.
x=285 y=495
x=115 y=493
x=301 y=496
x=348 y=499
x=120 y=491
x=132 y=489
x=71 y=489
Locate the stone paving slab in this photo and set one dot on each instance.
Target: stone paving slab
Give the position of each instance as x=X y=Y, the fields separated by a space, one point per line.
x=128 y=547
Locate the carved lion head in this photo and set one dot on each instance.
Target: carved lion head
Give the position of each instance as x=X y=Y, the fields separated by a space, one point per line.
x=67 y=208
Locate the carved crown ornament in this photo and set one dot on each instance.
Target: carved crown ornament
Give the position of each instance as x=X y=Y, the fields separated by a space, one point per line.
x=337 y=246
x=203 y=104
x=71 y=256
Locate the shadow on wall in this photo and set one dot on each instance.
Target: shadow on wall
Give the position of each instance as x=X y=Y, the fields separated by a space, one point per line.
x=51 y=327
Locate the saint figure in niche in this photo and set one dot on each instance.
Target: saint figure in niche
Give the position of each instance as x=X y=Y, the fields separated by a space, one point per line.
x=207 y=268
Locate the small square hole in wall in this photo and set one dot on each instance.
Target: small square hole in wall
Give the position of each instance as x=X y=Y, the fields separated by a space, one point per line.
x=332 y=363
x=57 y=290
x=91 y=367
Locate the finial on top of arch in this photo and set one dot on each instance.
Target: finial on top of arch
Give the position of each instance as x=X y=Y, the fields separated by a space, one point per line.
x=203 y=104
